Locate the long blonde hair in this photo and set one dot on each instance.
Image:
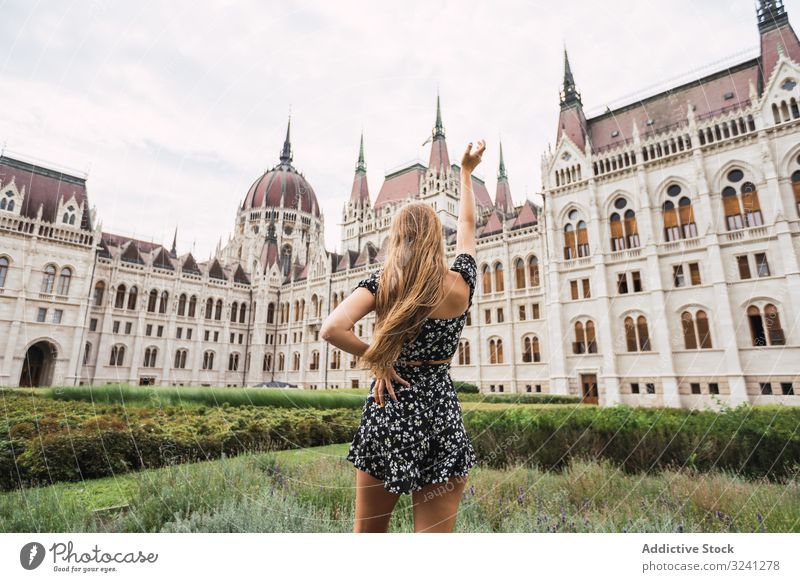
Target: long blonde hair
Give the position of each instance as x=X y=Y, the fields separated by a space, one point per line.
x=410 y=285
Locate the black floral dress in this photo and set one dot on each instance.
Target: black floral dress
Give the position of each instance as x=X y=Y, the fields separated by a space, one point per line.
x=420 y=438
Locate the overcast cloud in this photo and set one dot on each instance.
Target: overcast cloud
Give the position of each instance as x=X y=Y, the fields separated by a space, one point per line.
x=177 y=107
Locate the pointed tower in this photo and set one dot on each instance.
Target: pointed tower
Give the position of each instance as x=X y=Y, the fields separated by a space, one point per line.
x=174 y=251
x=776 y=35
x=571 y=120
x=357 y=211
x=439 y=160
x=286 y=152
x=502 y=198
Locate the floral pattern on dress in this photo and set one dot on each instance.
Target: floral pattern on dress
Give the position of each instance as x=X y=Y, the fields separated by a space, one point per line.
x=420 y=438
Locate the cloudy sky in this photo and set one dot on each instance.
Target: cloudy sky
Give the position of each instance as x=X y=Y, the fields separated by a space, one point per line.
x=175 y=108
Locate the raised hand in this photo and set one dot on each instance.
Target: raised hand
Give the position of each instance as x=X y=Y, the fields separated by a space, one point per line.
x=471 y=158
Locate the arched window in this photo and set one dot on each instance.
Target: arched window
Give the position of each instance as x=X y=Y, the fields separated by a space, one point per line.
x=314 y=360
x=519 y=274
x=64 y=279
x=152 y=301
x=487 y=279
x=119 y=300
x=585 y=340
x=99 y=291
x=218 y=310
x=796 y=189
x=267 y=366
x=192 y=305
x=180 y=359
x=208 y=360
x=48 y=279
x=696 y=330
x=740 y=203
x=150 y=355
x=182 y=304
x=234 y=311
x=498 y=276
x=133 y=296
x=314 y=304
x=302 y=309
x=530 y=349
x=533 y=271
x=496 y=351
x=233 y=362
x=678 y=219
x=765 y=330
x=243 y=313
x=463 y=353
x=209 y=308
x=117 y=355
x=87 y=353
x=637 y=337
x=3 y=271
x=295 y=361
x=576 y=236
x=282 y=360
x=162 y=305
x=271 y=313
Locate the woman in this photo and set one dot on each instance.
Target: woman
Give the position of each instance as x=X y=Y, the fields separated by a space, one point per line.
x=414 y=441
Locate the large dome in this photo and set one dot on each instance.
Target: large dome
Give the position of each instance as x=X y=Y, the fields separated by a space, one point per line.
x=282 y=187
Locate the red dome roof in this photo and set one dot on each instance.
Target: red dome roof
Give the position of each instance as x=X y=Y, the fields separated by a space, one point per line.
x=283 y=186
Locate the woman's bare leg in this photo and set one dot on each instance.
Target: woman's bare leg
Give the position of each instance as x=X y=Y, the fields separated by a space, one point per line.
x=436 y=505
x=374 y=504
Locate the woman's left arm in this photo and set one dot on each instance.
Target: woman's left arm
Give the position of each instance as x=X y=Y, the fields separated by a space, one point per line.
x=337 y=329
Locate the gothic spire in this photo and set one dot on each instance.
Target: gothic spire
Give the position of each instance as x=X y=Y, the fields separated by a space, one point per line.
x=286 y=153
x=501 y=171
x=438 y=130
x=569 y=94
x=361 y=166
x=174 y=250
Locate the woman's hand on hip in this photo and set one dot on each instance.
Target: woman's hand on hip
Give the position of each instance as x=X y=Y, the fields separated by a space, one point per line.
x=385 y=383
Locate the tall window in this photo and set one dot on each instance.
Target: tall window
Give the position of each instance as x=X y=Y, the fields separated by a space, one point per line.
x=49 y=279
x=180 y=359
x=192 y=305
x=498 y=276
x=637 y=338
x=218 y=310
x=533 y=270
x=117 y=355
x=243 y=313
x=678 y=217
x=233 y=362
x=487 y=279
x=99 y=291
x=208 y=360
x=64 y=279
x=182 y=304
x=209 y=308
x=152 y=301
x=336 y=360
x=133 y=296
x=796 y=188
x=119 y=300
x=496 y=351
x=267 y=366
x=162 y=305
x=150 y=355
x=765 y=330
x=576 y=236
x=463 y=353
x=3 y=271
x=314 y=360
x=530 y=349
x=696 y=332
x=585 y=339
x=87 y=353
x=740 y=203
x=624 y=232
x=234 y=312
x=295 y=361
x=271 y=313
x=519 y=274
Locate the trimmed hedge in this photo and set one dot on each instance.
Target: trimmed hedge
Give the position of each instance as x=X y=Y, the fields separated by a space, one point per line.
x=751 y=441
x=465 y=387
x=521 y=398
x=43 y=441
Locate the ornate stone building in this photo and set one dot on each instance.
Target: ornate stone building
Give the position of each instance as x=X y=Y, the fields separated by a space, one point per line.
x=662 y=270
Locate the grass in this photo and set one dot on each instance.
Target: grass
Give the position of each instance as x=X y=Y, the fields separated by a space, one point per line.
x=311 y=490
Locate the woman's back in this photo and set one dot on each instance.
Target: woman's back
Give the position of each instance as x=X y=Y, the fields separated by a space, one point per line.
x=438 y=338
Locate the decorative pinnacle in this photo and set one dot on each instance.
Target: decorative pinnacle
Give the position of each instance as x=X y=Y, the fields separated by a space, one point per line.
x=361 y=166
x=286 y=153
